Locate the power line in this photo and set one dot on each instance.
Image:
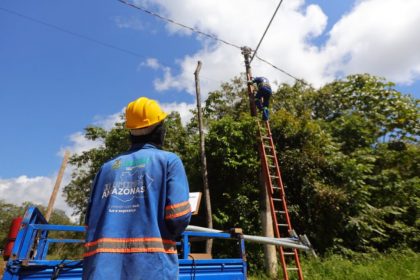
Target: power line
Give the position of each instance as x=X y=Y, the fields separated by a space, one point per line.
x=180 y=24
x=84 y=37
x=214 y=37
x=73 y=33
x=265 y=61
x=129 y=51
x=268 y=26
x=281 y=70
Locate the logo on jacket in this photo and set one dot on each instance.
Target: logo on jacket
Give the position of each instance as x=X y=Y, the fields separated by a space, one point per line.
x=130 y=164
x=129 y=185
x=116 y=164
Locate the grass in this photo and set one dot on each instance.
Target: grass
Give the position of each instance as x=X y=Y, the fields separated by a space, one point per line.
x=392 y=266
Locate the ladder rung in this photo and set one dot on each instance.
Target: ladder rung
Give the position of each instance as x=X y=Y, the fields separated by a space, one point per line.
x=274 y=176
x=281 y=212
x=276 y=188
x=277 y=199
x=289 y=253
x=270 y=156
x=269 y=147
x=292 y=268
x=282 y=225
x=271 y=166
x=265 y=137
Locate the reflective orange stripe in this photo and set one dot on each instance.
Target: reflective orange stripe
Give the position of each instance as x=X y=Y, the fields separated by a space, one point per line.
x=177 y=210
x=129 y=250
x=174 y=206
x=176 y=215
x=125 y=240
x=130 y=245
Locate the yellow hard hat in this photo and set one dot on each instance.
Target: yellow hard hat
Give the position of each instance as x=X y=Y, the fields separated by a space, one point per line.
x=142 y=113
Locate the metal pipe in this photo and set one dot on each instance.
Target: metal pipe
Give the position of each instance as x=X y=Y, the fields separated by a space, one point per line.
x=285 y=242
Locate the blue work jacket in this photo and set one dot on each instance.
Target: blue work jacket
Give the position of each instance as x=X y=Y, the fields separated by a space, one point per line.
x=138 y=207
x=264 y=87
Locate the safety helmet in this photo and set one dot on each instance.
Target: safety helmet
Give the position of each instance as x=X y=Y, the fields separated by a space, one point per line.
x=259 y=80
x=142 y=113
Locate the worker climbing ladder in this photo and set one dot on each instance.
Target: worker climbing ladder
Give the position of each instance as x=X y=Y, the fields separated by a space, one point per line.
x=282 y=226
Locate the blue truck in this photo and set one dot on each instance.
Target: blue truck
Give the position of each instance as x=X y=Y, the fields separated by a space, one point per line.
x=29 y=257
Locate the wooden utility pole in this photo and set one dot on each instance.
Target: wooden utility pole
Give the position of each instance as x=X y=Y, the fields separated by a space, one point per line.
x=57 y=185
x=265 y=212
x=206 y=189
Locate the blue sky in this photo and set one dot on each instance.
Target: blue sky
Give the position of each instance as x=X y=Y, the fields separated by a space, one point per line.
x=54 y=83
x=62 y=67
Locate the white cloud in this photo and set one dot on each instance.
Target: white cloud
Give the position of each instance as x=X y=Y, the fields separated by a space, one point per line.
x=376 y=36
x=182 y=108
x=152 y=63
x=108 y=122
x=16 y=189
x=34 y=189
x=168 y=81
x=131 y=23
x=79 y=144
x=242 y=23
x=38 y=189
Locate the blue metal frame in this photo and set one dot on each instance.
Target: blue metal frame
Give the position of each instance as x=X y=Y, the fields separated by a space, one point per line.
x=28 y=258
x=234 y=268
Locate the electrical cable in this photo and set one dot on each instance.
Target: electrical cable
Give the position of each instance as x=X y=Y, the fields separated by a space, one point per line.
x=131 y=52
x=180 y=24
x=265 y=32
x=214 y=37
x=283 y=71
x=62 y=265
x=193 y=267
x=84 y=37
x=73 y=33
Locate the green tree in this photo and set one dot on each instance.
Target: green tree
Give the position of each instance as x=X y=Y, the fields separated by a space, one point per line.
x=366 y=123
x=348 y=151
x=9 y=211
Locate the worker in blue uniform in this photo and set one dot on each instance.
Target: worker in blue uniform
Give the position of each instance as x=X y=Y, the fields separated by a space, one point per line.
x=263 y=95
x=138 y=205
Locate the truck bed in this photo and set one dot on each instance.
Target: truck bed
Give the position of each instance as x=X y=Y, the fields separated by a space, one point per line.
x=29 y=255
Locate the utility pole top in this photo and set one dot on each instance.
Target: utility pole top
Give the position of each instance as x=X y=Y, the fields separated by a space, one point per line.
x=197 y=70
x=246 y=52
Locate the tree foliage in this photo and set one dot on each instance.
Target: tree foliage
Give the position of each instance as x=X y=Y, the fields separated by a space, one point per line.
x=9 y=211
x=349 y=154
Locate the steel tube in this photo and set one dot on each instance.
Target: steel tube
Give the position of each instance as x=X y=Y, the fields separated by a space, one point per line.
x=285 y=242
